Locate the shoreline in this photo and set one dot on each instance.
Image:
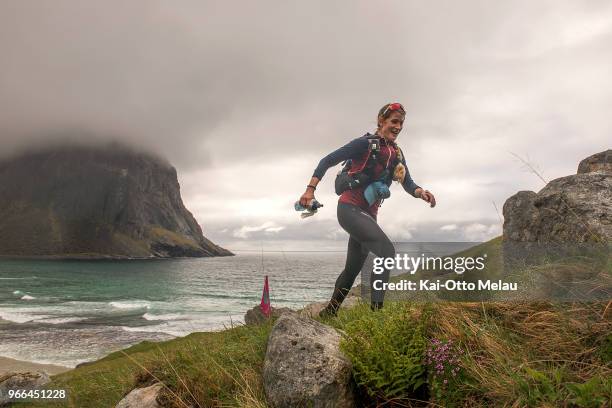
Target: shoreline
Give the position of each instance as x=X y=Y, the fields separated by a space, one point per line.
x=8 y=365
x=96 y=257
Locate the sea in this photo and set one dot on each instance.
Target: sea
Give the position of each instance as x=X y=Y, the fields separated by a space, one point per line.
x=69 y=312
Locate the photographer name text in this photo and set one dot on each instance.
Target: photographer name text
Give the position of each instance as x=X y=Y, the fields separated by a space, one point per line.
x=450 y=285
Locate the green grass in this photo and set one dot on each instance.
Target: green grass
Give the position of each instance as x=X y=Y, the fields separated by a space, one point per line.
x=506 y=354
x=203 y=369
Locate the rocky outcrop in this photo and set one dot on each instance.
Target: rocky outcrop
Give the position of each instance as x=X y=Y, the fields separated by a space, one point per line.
x=569 y=220
x=576 y=208
x=600 y=162
x=84 y=202
x=142 y=397
x=20 y=381
x=304 y=366
x=255 y=316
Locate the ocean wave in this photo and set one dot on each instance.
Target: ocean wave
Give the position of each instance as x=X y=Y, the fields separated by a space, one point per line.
x=109 y=309
x=188 y=324
x=21 y=316
x=169 y=316
x=131 y=304
x=99 y=314
x=60 y=320
x=22 y=295
x=162 y=328
x=236 y=296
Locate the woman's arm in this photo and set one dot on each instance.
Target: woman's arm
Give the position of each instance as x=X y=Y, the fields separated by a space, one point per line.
x=409 y=185
x=353 y=149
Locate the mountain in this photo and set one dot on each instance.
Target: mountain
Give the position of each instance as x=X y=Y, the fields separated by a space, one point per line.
x=95 y=202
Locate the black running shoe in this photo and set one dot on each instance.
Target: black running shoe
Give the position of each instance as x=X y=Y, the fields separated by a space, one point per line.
x=328 y=311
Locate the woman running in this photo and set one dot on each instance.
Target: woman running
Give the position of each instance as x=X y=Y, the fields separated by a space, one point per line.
x=373 y=161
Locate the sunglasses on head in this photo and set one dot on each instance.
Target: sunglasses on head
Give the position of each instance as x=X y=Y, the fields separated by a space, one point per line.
x=394 y=107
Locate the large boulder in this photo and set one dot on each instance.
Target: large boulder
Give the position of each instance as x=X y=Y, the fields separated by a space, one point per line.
x=20 y=381
x=569 y=220
x=142 y=397
x=571 y=209
x=304 y=366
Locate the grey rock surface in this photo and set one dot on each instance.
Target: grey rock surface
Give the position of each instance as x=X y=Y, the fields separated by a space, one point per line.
x=576 y=208
x=304 y=366
x=570 y=217
x=519 y=216
x=20 y=381
x=142 y=397
x=255 y=316
x=599 y=162
x=95 y=202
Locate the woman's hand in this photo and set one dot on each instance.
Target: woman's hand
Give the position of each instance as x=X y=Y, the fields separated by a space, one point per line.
x=309 y=193
x=307 y=197
x=428 y=197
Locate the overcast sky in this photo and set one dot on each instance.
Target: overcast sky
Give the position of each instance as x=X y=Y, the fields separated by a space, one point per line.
x=244 y=99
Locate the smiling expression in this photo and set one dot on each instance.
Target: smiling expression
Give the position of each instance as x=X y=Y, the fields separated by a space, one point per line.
x=391 y=127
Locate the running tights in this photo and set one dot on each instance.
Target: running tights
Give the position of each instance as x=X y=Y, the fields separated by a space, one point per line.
x=365 y=236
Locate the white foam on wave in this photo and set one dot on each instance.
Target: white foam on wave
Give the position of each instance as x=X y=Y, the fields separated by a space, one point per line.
x=27 y=297
x=162 y=328
x=187 y=324
x=17 y=292
x=169 y=316
x=132 y=304
x=60 y=320
x=20 y=315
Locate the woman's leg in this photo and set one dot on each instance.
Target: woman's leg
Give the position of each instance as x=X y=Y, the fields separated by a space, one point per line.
x=365 y=236
x=355 y=258
x=363 y=228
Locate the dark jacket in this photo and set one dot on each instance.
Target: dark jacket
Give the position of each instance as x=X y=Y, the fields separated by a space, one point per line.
x=357 y=151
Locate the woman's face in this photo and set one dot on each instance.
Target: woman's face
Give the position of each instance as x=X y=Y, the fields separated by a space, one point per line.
x=392 y=126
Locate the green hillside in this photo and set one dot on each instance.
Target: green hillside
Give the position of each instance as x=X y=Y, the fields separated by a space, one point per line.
x=490 y=353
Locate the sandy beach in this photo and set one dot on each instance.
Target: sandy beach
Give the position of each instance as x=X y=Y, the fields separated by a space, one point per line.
x=11 y=365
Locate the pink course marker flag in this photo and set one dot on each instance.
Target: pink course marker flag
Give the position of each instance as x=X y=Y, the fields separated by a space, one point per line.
x=265 y=299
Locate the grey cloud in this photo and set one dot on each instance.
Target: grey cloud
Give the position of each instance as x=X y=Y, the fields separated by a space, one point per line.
x=328 y=233
x=212 y=85
x=167 y=75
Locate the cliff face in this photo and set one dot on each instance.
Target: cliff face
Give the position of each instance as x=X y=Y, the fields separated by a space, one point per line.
x=95 y=202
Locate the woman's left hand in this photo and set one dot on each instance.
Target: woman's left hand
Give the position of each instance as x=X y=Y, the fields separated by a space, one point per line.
x=428 y=196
